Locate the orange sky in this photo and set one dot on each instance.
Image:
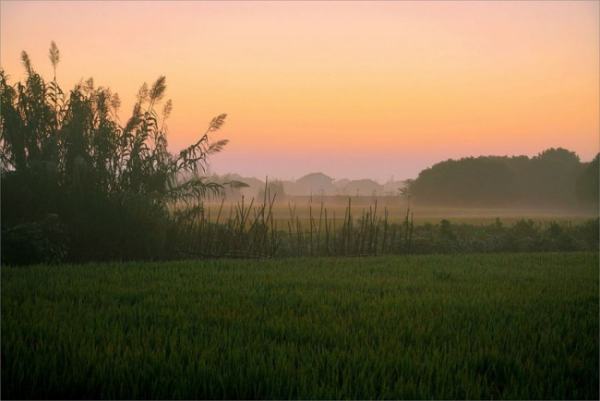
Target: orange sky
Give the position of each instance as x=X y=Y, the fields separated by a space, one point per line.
x=351 y=89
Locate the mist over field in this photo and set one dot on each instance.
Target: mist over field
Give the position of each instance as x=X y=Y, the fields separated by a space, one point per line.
x=554 y=182
x=299 y=200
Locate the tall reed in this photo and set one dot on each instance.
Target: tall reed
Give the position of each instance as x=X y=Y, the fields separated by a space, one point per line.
x=250 y=230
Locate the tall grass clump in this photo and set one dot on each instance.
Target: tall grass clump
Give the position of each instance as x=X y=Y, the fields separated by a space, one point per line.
x=78 y=185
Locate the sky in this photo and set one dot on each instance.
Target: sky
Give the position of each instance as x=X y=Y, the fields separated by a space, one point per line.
x=352 y=89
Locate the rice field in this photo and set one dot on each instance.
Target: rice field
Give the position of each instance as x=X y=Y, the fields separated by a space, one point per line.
x=503 y=326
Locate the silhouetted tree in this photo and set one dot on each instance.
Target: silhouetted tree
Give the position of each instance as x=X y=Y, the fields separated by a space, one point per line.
x=546 y=179
x=587 y=183
x=466 y=181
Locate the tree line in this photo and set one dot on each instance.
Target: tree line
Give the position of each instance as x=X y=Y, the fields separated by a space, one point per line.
x=555 y=178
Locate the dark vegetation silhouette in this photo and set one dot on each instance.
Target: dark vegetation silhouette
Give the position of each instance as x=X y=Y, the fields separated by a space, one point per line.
x=587 y=183
x=76 y=185
x=555 y=177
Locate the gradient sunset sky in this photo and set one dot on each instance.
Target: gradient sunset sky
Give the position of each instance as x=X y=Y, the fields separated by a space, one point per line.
x=350 y=89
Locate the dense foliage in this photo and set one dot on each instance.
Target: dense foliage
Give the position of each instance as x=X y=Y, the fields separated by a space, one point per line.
x=495 y=326
x=555 y=177
x=77 y=185
x=588 y=182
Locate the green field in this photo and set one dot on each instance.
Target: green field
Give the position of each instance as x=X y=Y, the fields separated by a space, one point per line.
x=465 y=326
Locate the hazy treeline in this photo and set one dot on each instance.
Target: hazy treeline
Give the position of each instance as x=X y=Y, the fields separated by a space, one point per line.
x=555 y=177
x=313 y=184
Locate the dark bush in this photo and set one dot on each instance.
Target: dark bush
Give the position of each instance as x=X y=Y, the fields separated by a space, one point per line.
x=43 y=241
x=112 y=188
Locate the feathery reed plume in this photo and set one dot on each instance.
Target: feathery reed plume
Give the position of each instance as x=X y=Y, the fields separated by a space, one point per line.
x=54 y=56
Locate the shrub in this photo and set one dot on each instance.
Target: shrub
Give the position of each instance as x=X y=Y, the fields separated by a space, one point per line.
x=110 y=187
